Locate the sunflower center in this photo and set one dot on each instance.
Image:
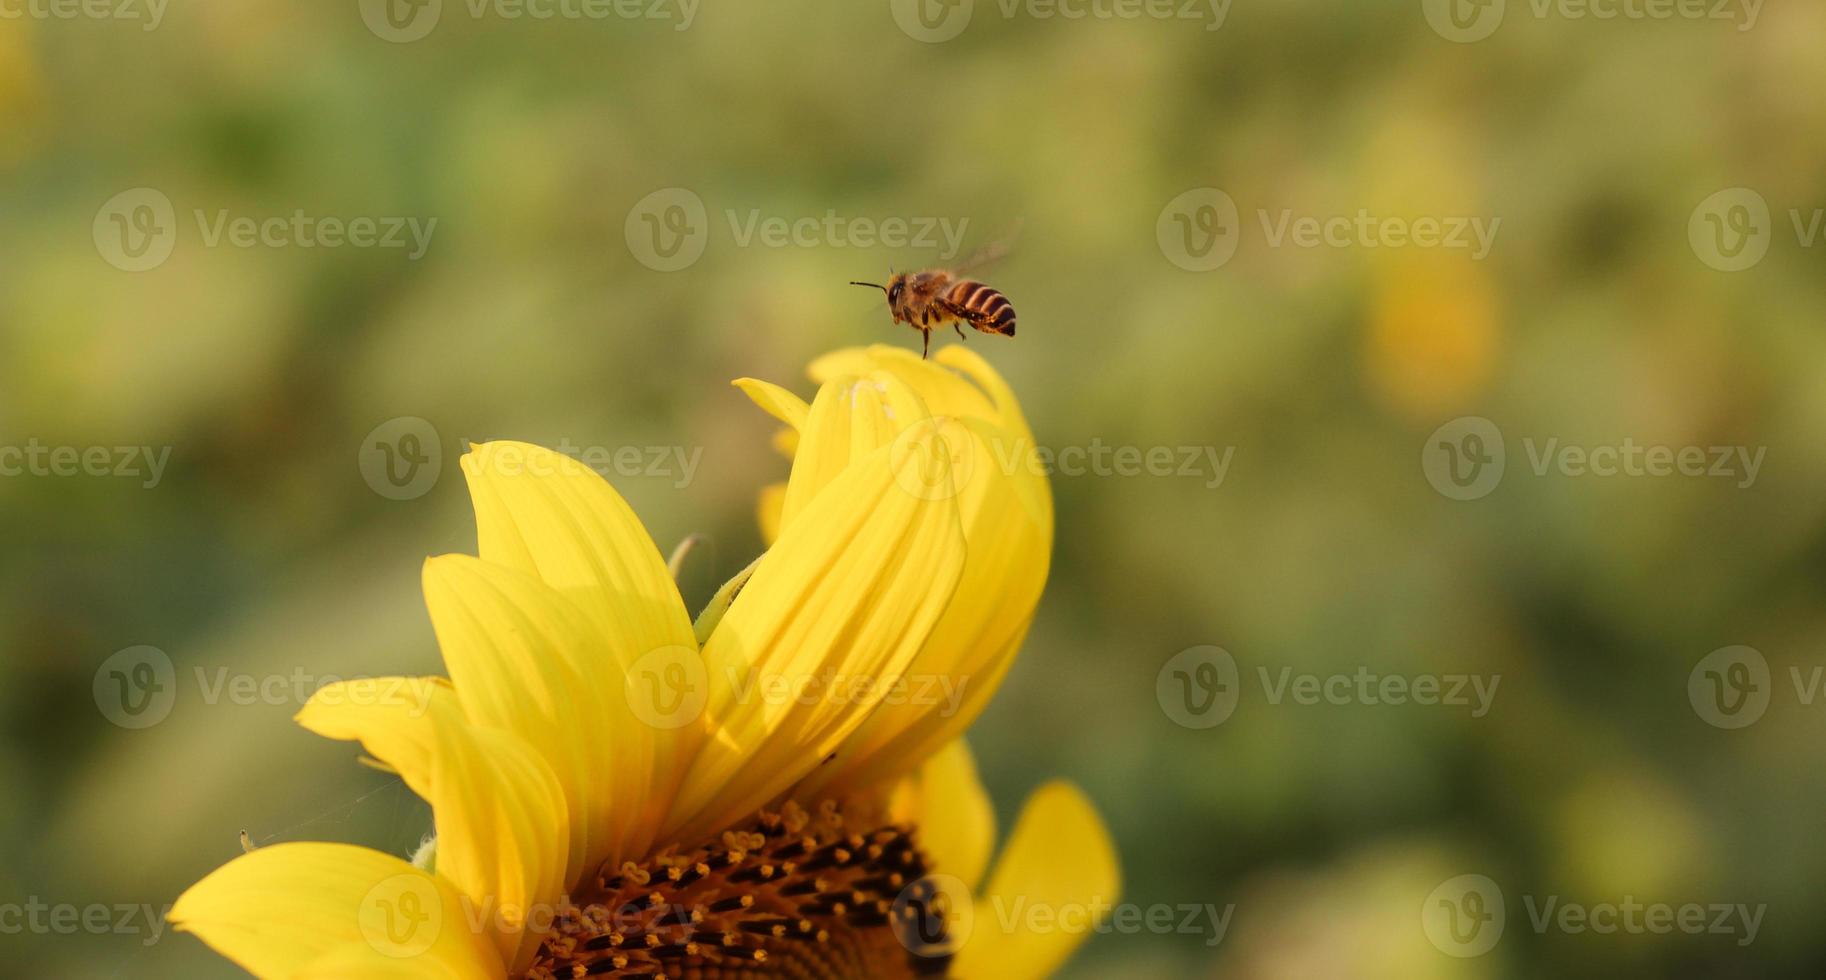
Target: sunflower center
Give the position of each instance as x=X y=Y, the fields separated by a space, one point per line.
x=791 y=895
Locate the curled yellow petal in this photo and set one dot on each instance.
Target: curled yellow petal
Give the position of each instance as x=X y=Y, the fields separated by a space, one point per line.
x=503 y=824
x=551 y=517
x=838 y=607
x=524 y=658
x=775 y=400
x=281 y=910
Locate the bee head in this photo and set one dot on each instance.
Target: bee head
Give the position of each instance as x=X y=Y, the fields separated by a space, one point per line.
x=896 y=283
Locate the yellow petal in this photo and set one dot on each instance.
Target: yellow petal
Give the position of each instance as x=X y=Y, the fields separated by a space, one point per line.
x=385 y=715
x=550 y=516
x=847 y=596
x=944 y=392
x=1059 y=864
x=947 y=802
x=279 y=909
x=846 y=423
x=1005 y=508
x=972 y=364
x=769 y=510
x=526 y=659
x=775 y=400
x=503 y=824
x=361 y=961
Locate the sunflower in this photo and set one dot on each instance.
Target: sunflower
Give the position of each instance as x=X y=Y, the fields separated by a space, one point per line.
x=775 y=789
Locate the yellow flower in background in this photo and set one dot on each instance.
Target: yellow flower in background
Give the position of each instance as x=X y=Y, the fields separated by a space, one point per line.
x=779 y=788
x=1433 y=334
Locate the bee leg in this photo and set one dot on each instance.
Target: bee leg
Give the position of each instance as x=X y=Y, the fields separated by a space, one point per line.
x=958 y=326
x=927 y=352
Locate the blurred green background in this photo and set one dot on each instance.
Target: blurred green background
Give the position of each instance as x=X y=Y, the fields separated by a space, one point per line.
x=534 y=313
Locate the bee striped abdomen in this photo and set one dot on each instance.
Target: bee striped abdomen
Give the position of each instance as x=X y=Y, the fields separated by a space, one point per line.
x=983 y=306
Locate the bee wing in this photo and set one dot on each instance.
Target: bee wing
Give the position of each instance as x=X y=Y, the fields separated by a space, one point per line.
x=990 y=253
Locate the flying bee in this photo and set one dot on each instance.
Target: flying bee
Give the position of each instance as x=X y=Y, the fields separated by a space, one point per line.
x=930 y=299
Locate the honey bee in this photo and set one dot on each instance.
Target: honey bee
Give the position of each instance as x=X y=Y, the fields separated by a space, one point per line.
x=930 y=299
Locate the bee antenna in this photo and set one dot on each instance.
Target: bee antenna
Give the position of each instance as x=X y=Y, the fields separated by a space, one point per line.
x=871 y=285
